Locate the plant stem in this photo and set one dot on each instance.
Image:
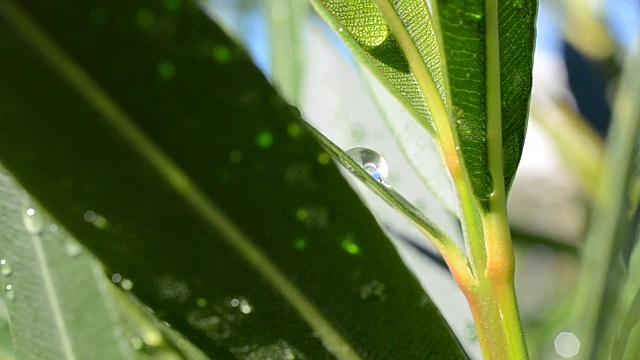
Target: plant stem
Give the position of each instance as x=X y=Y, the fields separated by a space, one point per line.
x=492 y=299
x=496 y=313
x=491 y=292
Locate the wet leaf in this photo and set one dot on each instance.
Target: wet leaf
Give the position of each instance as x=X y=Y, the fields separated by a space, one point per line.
x=145 y=131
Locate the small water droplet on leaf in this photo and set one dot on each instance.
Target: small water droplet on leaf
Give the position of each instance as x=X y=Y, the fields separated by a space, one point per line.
x=5 y=268
x=72 y=249
x=372 y=162
x=33 y=221
x=10 y=292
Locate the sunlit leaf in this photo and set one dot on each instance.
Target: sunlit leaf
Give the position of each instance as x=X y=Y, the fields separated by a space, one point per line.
x=480 y=36
x=171 y=158
x=363 y=28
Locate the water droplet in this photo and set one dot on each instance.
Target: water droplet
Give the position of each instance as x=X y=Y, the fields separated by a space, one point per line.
x=372 y=162
x=370 y=33
x=33 y=220
x=5 y=268
x=166 y=70
x=126 y=284
x=145 y=18
x=72 y=248
x=10 y=292
x=152 y=338
x=567 y=344
x=116 y=278
x=234 y=302
x=221 y=54
x=53 y=228
x=136 y=342
x=264 y=139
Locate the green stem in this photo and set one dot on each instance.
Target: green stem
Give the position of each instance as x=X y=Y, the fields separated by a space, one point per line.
x=493 y=303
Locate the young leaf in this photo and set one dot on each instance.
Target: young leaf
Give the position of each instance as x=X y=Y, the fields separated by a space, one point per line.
x=489 y=56
x=363 y=27
x=170 y=156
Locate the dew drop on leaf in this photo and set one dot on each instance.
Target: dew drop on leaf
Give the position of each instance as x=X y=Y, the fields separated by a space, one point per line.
x=72 y=249
x=136 y=342
x=33 y=221
x=372 y=162
x=10 y=292
x=5 y=267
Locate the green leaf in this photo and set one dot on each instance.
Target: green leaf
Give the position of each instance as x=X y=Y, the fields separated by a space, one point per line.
x=364 y=29
x=420 y=150
x=145 y=131
x=489 y=56
x=57 y=297
x=48 y=275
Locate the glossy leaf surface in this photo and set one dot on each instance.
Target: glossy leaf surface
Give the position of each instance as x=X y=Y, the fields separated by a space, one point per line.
x=53 y=291
x=150 y=135
x=467 y=26
x=363 y=28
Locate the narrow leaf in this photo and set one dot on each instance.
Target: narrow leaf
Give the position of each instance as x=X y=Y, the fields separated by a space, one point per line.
x=364 y=29
x=482 y=101
x=601 y=282
x=210 y=194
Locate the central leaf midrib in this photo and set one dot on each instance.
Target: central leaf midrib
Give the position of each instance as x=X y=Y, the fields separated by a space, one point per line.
x=52 y=296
